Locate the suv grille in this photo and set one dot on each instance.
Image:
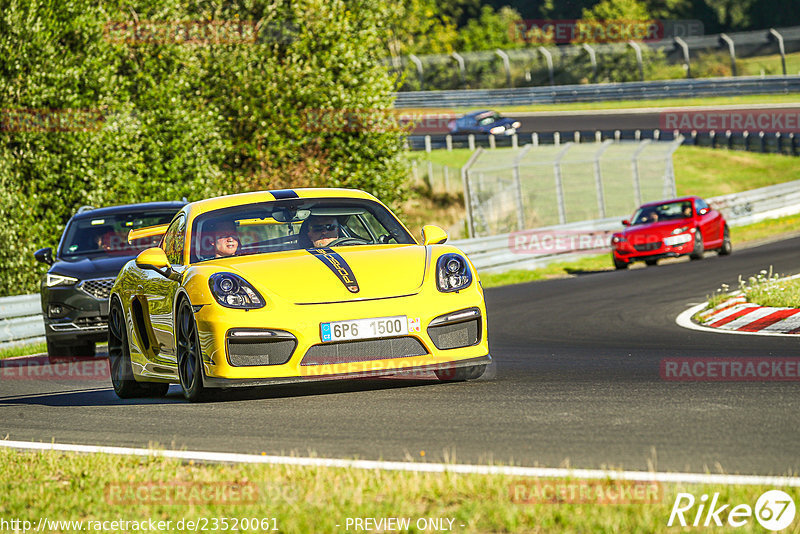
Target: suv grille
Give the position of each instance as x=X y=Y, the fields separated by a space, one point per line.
x=99 y=288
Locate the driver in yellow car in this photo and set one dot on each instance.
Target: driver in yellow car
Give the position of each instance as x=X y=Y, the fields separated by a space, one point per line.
x=322 y=231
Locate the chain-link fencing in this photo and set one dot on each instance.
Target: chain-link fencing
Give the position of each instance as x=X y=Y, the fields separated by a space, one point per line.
x=535 y=186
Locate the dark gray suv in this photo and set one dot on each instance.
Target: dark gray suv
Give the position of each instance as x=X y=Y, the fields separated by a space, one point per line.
x=91 y=252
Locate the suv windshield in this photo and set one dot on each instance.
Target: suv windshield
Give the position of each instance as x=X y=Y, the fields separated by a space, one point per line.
x=108 y=234
x=294 y=224
x=663 y=212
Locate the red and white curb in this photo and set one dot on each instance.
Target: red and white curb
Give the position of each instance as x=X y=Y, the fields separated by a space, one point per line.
x=737 y=316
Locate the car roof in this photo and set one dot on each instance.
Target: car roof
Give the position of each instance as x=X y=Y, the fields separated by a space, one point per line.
x=475 y=114
x=240 y=199
x=658 y=202
x=174 y=205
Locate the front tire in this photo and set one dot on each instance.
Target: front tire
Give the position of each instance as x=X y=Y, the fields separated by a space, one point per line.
x=190 y=365
x=619 y=264
x=726 y=247
x=651 y=262
x=699 y=249
x=119 y=360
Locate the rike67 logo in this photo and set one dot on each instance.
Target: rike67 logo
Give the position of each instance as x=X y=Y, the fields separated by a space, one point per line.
x=774 y=510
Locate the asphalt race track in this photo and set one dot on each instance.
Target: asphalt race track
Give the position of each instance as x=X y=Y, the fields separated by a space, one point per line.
x=576 y=383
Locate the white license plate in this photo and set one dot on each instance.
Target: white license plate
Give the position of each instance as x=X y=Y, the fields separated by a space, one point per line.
x=375 y=327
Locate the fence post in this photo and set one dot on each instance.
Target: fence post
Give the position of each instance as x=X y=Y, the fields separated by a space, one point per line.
x=492 y=141
x=514 y=141
x=467 y=191
x=637 y=190
x=461 y=68
x=746 y=137
x=471 y=141
x=598 y=136
x=506 y=66
x=556 y=138
x=420 y=73
x=448 y=141
x=427 y=143
x=598 y=178
x=593 y=60
x=549 y=59
x=518 y=183
x=670 y=188
x=535 y=139
x=773 y=34
x=685 y=49
x=430 y=174
x=638 y=50
x=724 y=39
x=562 y=212
x=763 y=139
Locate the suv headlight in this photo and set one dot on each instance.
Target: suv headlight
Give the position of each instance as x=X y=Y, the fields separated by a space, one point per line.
x=452 y=273
x=59 y=280
x=233 y=291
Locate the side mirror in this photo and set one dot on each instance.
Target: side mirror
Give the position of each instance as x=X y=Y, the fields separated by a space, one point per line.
x=44 y=255
x=155 y=259
x=626 y=222
x=433 y=235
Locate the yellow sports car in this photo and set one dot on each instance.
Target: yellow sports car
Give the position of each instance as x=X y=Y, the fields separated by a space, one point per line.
x=291 y=286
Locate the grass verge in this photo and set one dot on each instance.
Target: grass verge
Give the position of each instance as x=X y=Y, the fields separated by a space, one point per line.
x=99 y=487
x=23 y=350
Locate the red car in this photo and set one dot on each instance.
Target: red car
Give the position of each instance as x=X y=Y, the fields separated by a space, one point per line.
x=670 y=228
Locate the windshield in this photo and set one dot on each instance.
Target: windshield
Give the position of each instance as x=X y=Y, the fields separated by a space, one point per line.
x=294 y=224
x=663 y=212
x=489 y=119
x=109 y=234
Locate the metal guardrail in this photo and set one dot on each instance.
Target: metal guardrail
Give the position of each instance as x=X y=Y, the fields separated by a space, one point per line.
x=21 y=321
x=765 y=142
x=496 y=254
x=702 y=87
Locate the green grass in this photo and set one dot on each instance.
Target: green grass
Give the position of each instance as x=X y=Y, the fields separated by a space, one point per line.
x=781 y=294
x=710 y=172
x=68 y=486
x=23 y=350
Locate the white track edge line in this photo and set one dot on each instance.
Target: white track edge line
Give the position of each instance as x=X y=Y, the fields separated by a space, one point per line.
x=545 y=472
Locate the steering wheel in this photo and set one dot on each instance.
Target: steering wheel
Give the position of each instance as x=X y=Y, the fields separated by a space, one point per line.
x=348 y=240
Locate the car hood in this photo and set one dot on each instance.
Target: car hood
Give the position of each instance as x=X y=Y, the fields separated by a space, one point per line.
x=334 y=274
x=656 y=230
x=87 y=267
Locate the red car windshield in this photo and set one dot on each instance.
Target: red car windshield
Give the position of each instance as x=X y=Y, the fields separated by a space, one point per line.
x=668 y=211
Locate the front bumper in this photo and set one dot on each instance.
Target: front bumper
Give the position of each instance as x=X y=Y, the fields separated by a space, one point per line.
x=625 y=251
x=302 y=322
x=83 y=318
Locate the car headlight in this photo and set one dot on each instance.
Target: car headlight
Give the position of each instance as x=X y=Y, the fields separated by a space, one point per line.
x=497 y=130
x=452 y=273
x=516 y=124
x=680 y=230
x=59 y=280
x=617 y=239
x=233 y=291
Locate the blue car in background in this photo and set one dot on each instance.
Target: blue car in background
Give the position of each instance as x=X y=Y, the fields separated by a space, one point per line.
x=484 y=122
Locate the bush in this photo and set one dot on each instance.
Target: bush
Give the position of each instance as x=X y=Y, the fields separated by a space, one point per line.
x=168 y=118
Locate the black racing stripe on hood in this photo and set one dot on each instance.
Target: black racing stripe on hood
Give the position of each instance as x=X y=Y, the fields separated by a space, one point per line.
x=281 y=194
x=339 y=267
